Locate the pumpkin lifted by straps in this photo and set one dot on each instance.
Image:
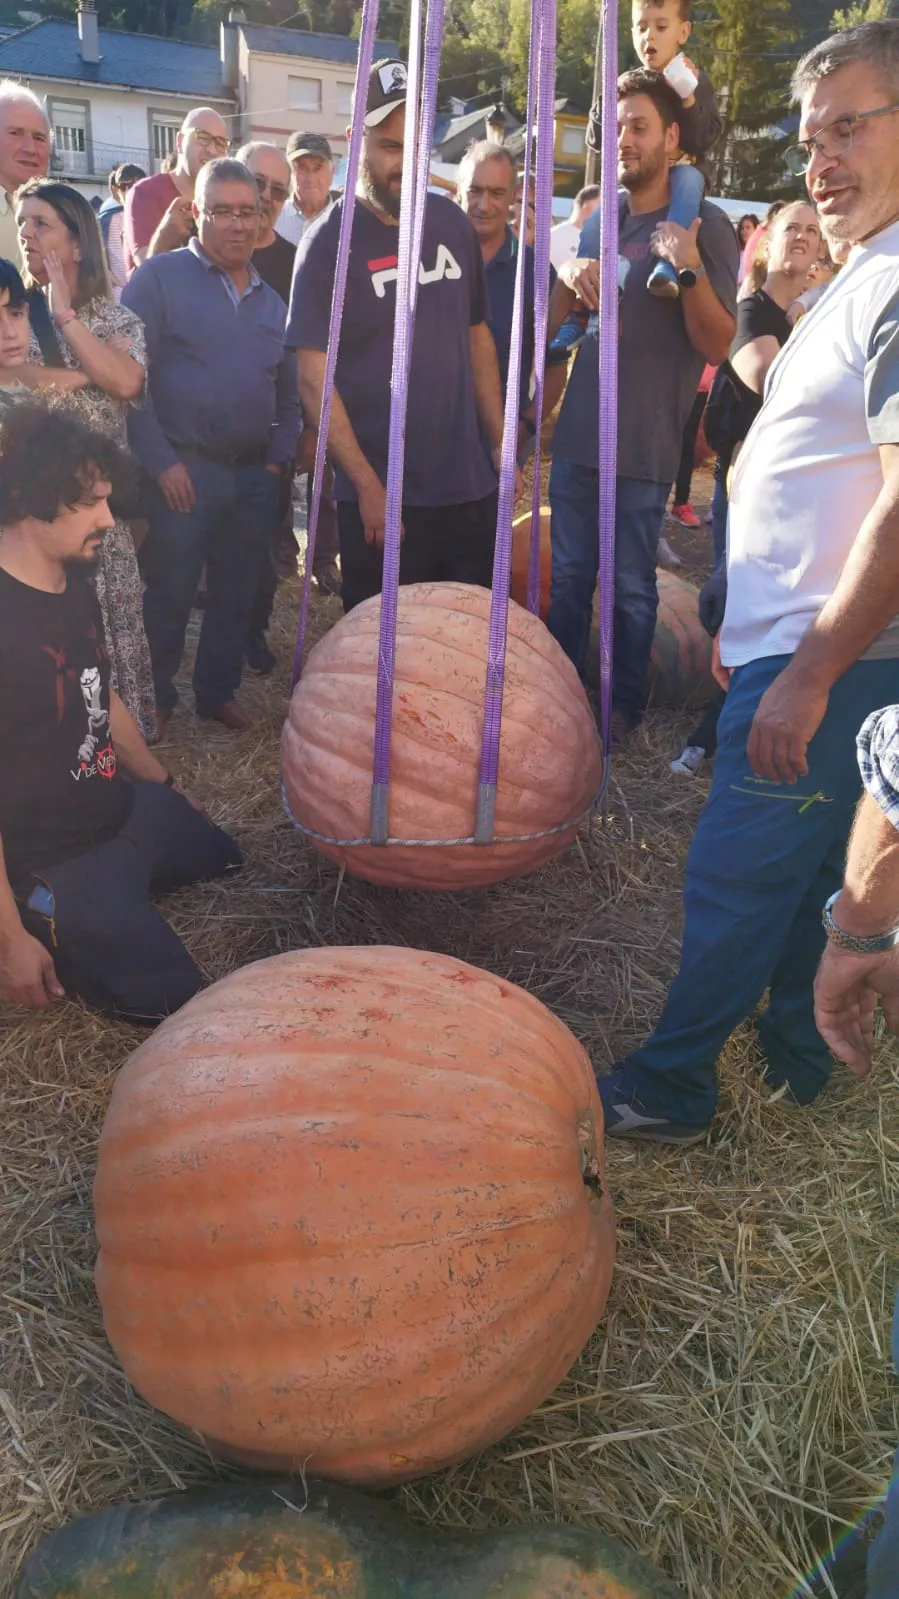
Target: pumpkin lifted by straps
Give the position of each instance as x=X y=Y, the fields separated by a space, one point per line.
x=286 y=1539
x=351 y=1212
x=550 y=765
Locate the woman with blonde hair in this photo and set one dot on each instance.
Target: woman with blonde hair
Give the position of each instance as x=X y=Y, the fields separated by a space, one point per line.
x=78 y=329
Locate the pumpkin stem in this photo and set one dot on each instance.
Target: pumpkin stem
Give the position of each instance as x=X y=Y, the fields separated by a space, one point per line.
x=590 y=1167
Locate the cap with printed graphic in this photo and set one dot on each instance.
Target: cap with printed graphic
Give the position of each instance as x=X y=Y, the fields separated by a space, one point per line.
x=308 y=144
x=386 y=90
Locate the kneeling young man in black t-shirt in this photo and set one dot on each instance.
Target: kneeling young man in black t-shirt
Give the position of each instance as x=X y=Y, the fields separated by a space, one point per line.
x=81 y=845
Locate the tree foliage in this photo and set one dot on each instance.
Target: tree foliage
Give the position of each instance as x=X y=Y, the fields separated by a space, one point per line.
x=866 y=11
x=748 y=49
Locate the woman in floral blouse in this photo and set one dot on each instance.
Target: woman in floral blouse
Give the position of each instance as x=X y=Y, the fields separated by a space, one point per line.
x=104 y=344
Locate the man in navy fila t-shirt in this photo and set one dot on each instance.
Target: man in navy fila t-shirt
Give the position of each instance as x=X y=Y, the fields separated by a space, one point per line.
x=455 y=403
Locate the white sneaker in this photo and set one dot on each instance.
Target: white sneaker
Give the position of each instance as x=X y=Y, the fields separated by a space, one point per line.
x=689 y=761
x=665 y=555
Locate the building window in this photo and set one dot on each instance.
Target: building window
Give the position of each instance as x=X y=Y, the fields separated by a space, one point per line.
x=304 y=94
x=573 y=141
x=163 y=134
x=70 y=137
x=345 y=99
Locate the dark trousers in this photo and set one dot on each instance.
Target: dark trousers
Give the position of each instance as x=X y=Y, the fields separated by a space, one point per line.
x=705 y=734
x=228 y=528
x=719 y=504
x=688 y=451
x=764 y=859
x=443 y=544
x=639 y=515
x=108 y=943
x=281 y=553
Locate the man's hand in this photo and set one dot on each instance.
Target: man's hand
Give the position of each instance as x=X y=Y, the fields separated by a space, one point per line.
x=678 y=245
x=720 y=672
x=177 y=488
x=274 y=469
x=496 y=455
x=373 y=511
x=582 y=278
x=27 y=974
x=306 y=450
x=193 y=802
x=847 y=989
x=177 y=225
x=788 y=717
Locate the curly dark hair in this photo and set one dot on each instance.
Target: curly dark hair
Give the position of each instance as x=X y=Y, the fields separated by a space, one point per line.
x=49 y=460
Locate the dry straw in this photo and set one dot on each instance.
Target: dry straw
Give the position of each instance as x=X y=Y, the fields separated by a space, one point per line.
x=733 y=1410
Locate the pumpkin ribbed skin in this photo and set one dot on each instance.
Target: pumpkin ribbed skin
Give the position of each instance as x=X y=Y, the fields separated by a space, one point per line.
x=286 y=1539
x=342 y=1214
x=550 y=764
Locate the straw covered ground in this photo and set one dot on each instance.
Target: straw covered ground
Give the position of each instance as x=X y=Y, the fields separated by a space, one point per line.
x=734 y=1408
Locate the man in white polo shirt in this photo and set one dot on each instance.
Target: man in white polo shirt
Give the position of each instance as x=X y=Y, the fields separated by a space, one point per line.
x=810 y=641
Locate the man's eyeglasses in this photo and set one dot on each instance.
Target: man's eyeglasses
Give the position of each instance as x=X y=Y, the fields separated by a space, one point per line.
x=221 y=215
x=834 y=140
x=278 y=191
x=212 y=141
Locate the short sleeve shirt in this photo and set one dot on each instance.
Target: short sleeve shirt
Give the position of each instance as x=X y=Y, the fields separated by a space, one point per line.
x=62 y=793
x=658 y=368
x=759 y=317
x=145 y=206
x=445 y=460
x=810 y=470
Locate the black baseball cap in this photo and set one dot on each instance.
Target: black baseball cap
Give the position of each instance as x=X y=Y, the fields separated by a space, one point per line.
x=308 y=144
x=387 y=85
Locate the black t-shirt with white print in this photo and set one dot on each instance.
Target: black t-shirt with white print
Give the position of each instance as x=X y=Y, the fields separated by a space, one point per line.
x=61 y=793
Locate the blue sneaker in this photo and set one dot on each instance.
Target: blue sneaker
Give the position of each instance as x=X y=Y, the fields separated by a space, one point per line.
x=627 y=1117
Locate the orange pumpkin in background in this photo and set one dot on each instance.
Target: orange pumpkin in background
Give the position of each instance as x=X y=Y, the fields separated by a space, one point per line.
x=680 y=667
x=550 y=764
x=521 y=559
x=352 y=1212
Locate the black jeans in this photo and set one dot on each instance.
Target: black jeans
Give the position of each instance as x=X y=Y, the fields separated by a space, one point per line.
x=282 y=549
x=229 y=527
x=688 y=452
x=108 y=943
x=443 y=544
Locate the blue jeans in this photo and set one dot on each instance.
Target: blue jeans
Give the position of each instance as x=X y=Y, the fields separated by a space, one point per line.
x=229 y=527
x=719 y=505
x=639 y=516
x=764 y=859
x=687 y=193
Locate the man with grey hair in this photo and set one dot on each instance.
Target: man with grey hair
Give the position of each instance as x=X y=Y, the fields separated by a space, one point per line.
x=158 y=213
x=488 y=178
x=809 y=646
x=218 y=434
x=25 y=145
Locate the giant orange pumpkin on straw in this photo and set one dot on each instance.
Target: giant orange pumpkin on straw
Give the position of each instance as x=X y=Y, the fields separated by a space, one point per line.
x=550 y=764
x=680 y=666
x=352 y=1212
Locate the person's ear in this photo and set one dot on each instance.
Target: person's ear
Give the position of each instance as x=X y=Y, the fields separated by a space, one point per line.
x=686 y=28
x=76 y=253
x=672 y=138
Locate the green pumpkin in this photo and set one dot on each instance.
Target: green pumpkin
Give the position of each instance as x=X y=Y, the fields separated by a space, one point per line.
x=281 y=1539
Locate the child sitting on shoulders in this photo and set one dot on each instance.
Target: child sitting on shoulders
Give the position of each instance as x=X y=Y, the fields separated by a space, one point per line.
x=660 y=29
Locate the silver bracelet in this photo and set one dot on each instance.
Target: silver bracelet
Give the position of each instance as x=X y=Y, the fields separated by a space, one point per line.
x=877 y=945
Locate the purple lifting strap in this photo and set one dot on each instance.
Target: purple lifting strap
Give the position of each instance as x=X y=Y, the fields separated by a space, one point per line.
x=541 y=90
x=363 y=68
x=608 y=366
x=416 y=172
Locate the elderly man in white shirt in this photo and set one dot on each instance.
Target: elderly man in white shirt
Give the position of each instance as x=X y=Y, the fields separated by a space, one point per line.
x=25 y=145
x=810 y=640
x=312 y=175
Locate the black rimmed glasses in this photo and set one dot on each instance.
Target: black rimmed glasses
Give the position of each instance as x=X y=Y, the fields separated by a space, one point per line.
x=834 y=140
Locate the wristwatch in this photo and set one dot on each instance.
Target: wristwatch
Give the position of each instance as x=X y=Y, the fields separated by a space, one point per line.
x=688 y=277
x=848 y=941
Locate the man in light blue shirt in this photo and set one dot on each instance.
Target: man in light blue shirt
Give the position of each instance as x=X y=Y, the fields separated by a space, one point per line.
x=218 y=432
